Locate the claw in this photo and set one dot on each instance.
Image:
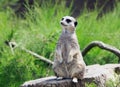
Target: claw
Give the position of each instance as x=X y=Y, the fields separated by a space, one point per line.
x=75 y=80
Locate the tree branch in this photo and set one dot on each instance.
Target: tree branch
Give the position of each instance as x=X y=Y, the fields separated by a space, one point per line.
x=38 y=56
x=99 y=44
x=102 y=46
x=13 y=45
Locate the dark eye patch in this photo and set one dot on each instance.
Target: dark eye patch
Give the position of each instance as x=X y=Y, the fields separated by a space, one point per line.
x=75 y=23
x=62 y=19
x=68 y=20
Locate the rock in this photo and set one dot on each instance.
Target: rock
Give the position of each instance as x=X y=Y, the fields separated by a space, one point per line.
x=98 y=74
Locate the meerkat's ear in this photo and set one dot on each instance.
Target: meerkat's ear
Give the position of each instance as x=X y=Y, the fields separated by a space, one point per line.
x=75 y=23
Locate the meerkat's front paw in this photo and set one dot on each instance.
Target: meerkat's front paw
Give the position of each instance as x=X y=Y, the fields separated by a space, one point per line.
x=75 y=80
x=70 y=58
x=60 y=60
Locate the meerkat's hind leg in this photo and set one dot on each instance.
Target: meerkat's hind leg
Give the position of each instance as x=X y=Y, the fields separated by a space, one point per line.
x=75 y=80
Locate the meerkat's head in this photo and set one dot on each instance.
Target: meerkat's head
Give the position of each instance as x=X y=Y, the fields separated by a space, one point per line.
x=68 y=24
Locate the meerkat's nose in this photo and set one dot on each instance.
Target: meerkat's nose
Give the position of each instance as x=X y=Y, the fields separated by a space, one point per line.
x=61 y=23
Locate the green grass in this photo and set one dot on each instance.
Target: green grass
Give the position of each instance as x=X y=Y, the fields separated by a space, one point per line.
x=105 y=29
x=39 y=32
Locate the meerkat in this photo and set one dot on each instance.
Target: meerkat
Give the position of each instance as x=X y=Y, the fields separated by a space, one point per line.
x=68 y=61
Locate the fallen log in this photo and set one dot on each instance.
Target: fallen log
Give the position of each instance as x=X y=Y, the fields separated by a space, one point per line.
x=97 y=74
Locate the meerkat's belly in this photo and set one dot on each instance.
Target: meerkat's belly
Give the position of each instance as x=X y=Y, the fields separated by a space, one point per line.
x=66 y=47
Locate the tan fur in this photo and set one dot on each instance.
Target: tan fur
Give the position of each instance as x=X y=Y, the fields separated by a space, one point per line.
x=68 y=62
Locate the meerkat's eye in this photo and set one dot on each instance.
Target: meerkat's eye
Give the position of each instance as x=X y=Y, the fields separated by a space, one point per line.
x=68 y=20
x=62 y=19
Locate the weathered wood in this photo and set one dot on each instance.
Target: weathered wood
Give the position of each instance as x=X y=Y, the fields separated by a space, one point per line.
x=101 y=45
x=38 y=56
x=97 y=74
x=13 y=45
x=52 y=82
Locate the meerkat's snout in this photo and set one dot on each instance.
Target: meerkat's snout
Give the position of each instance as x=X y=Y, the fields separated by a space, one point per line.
x=62 y=23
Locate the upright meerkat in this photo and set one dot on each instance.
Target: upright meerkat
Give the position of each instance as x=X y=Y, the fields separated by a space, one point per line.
x=68 y=62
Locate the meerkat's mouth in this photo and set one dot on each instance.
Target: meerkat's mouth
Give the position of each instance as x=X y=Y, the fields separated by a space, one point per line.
x=63 y=24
